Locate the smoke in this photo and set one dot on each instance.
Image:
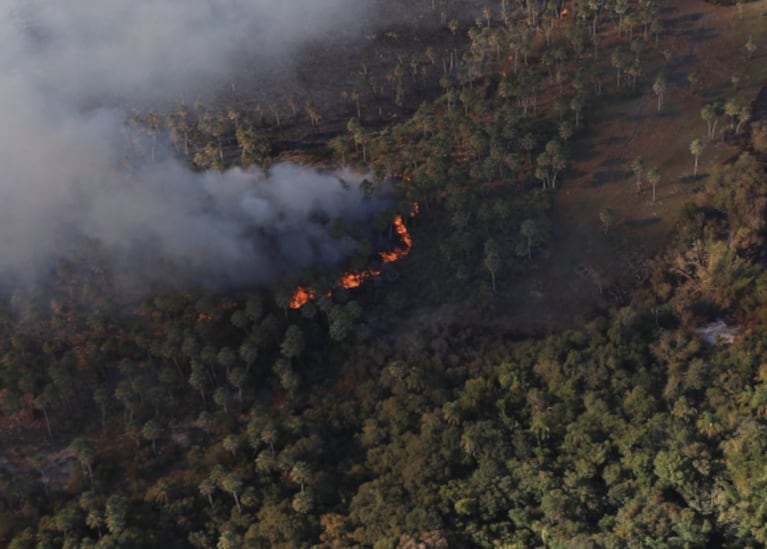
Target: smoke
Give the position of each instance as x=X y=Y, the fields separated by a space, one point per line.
x=71 y=69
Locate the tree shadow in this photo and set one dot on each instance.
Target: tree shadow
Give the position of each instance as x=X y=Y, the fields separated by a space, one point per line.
x=608 y=176
x=641 y=223
x=670 y=111
x=693 y=178
x=686 y=19
x=615 y=140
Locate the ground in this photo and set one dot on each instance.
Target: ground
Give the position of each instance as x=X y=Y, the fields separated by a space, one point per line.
x=585 y=269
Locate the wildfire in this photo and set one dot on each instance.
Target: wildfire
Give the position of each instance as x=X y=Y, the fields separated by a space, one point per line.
x=354 y=279
x=300 y=297
x=565 y=11
x=404 y=235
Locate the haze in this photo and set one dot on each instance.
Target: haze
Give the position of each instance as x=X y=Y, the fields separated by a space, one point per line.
x=70 y=72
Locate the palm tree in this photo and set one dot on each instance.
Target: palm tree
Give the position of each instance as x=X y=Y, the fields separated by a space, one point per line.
x=618 y=60
x=301 y=474
x=238 y=377
x=151 y=431
x=207 y=487
x=607 y=217
x=565 y=130
x=750 y=47
x=659 y=88
x=731 y=109
x=528 y=144
x=302 y=503
x=492 y=260
x=84 y=452
x=696 y=148
x=653 y=176
x=708 y=113
x=529 y=229
x=232 y=484
x=637 y=166
x=576 y=104
x=744 y=115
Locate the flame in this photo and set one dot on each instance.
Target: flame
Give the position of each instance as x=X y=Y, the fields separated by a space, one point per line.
x=301 y=297
x=404 y=235
x=565 y=11
x=354 y=279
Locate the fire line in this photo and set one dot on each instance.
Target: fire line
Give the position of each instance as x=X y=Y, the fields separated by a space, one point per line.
x=354 y=279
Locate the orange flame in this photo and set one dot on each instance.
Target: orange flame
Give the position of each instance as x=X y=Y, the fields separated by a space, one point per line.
x=398 y=253
x=354 y=279
x=301 y=297
x=565 y=11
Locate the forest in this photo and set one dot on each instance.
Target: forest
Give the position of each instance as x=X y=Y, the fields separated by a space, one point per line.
x=463 y=376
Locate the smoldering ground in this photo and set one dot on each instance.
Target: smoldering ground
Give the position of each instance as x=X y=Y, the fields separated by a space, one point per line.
x=70 y=70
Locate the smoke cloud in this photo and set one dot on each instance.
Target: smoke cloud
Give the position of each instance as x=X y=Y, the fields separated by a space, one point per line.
x=71 y=69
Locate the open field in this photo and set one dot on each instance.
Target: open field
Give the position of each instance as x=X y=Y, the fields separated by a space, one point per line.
x=585 y=269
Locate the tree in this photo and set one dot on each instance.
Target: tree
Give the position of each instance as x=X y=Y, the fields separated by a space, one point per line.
x=693 y=78
x=301 y=474
x=731 y=109
x=750 y=47
x=529 y=229
x=43 y=402
x=550 y=163
x=228 y=540
x=492 y=260
x=709 y=114
x=618 y=60
x=696 y=148
x=249 y=352
x=634 y=70
x=226 y=357
x=565 y=130
x=207 y=487
x=637 y=166
x=659 y=88
x=302 y=502
x=222 y=398
x=238 y=377
x=232 y=483
x=116 y=509
x=607 y=217
x=151 y=432
x=576 y=104
x=744 y=115
x=231 y=443
x=653 y=176
x=527 y=143
x=84 y=452
x=293 y=343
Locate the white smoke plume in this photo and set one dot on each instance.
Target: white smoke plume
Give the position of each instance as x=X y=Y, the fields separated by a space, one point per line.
x=68 y=72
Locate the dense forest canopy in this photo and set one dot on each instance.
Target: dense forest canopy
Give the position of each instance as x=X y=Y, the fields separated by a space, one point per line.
x=385 y=394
